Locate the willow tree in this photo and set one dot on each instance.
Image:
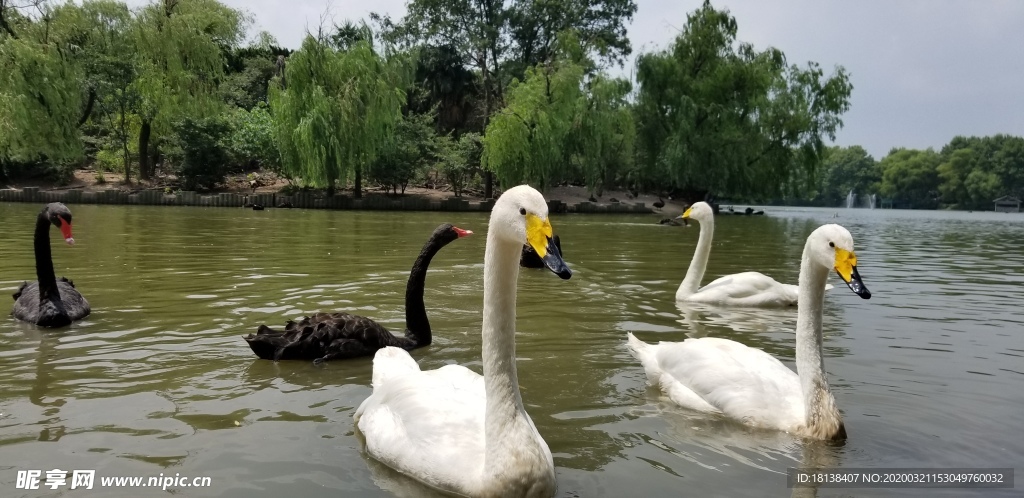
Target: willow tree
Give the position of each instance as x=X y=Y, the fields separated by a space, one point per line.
x=102 y=29
x=717 y=116
x=337 y=110
x=179 y=61
x=606 y=134
x=41 y=99
x=527 y=140
x=40 y=102
x=503 y=39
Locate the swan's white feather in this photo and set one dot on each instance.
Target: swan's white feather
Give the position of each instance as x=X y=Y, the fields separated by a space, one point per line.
x=429 y=424
x=747 y=289
x=711 y=374
x=740 y=289
x=718 y=375
x=439 y=426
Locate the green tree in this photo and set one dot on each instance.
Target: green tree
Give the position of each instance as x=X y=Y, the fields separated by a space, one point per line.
x=459 y=159
x=443 y=82
x=477 y=30
x=249 y=71
x=606 y=134
x=911 y=177
x=252 y=142
x=203 y=154
x=527 y=141
x=104 y=32
x=180 y=59
x=535 y=26
x=502 y=39
x=975 y=170
x=846 y=169
x=336 y=110
x=719 y=117
x=406 y=154
x=42 y=102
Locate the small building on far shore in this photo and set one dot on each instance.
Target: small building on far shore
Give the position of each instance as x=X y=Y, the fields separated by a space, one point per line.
x=1007 y=204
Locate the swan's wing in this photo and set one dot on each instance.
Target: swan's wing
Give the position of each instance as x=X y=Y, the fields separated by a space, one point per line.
x=427 y=424
x=74 y=302
x=747 y=289
x=72 y=306
x=744 y=383
x=26 y=289
x=322 y=337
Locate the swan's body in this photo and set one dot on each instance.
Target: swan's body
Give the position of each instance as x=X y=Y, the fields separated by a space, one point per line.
x=741 y=289
x=721 y=376
x=530 y=259
x=49 y=302
x=451 y=428
x=333 y=336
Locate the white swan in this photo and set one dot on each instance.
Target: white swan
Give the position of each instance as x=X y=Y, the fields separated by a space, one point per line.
x=741 y=289
x=451 y=428
x=722 y=376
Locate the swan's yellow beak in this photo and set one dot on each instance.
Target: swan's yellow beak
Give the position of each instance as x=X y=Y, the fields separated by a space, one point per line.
x=686 y=214
x=538 y=235
x=846 y=267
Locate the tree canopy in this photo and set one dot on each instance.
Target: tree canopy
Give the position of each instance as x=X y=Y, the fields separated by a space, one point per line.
x=335 y=110
x=449 y=94
x=716 y=116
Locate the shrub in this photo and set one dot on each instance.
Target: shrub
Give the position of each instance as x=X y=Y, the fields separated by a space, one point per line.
x=202 y=155
x=460 y=160
x=251 y=142
x=411 y=149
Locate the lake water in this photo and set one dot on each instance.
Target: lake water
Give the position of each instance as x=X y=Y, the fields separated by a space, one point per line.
x=928 y=373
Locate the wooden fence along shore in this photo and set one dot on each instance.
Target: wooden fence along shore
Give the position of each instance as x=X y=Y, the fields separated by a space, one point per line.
x=306 y=200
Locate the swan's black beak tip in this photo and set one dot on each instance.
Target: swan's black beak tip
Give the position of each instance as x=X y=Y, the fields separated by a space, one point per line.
x=565 y=274
x=857 y=285
x=554 y=262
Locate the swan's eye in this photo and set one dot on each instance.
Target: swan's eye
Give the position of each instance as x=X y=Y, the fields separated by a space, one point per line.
x=522 y=211
x=831 y=244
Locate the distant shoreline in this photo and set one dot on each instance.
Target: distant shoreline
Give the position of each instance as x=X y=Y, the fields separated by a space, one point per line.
x=301 y=200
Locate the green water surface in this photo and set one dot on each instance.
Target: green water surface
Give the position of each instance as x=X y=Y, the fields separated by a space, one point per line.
x=928 y=373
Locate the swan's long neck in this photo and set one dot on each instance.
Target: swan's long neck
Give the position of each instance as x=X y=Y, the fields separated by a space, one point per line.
x=822 y=416
x=700 y=260
x=416 y=323
x=505 y=415
x=44 y=262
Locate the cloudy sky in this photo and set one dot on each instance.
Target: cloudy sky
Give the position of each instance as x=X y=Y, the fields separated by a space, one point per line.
x=923 y=71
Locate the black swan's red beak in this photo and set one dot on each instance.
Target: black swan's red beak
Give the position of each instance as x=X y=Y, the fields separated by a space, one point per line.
x=65 y=230
x=462 y=233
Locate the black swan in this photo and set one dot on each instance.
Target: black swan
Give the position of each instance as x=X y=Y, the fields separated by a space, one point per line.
x=659 y=203
x=49 y=302
x=529 y=259
x=335 y=336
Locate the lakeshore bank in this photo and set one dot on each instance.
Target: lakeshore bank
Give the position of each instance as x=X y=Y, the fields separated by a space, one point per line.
x=304 y=200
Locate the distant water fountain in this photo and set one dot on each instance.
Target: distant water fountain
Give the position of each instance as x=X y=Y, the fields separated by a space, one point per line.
x=867 y=201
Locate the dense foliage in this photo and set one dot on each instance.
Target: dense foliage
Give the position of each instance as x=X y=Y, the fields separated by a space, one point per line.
x=334 y=110
x=465 y=94
x=720 y=117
